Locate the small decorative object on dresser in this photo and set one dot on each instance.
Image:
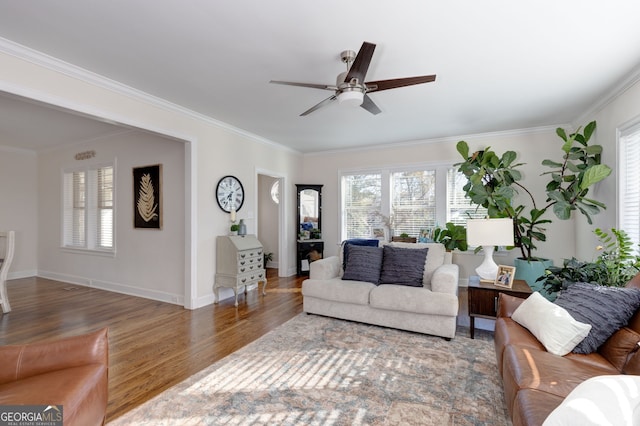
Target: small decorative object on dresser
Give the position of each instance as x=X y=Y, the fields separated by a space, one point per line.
x=239 y=263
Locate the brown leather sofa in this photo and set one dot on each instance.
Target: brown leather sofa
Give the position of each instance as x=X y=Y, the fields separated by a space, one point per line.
x=536 y=381
x=72 y=372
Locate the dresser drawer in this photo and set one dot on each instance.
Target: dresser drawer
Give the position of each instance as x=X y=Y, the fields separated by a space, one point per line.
x=247 y=254
x=250 y=278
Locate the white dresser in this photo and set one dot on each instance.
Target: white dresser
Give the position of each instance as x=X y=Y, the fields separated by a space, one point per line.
x=239 y=263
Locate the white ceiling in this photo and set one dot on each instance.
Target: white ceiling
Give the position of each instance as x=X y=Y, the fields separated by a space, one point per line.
x=500 y=64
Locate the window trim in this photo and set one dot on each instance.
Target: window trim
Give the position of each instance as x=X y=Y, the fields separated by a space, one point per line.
x=629 y=128
x=441 y=169
x=92 y=250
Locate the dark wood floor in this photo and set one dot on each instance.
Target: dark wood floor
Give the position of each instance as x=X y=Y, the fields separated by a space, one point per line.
x=152 y=345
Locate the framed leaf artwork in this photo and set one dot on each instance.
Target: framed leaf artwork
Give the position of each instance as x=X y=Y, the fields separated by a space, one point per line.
x=147 y=197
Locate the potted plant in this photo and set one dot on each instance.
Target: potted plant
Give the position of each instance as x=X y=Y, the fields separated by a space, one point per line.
x=452 y=236
x=267 y=258
x=615 y=266
x=493 y=181
x=234 y=229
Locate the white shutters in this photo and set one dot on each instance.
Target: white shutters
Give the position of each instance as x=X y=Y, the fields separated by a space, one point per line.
x=629 y=183
x=88 y=208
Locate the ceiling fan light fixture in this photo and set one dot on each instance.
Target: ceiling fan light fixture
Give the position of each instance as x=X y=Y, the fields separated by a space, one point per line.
x=352 y=98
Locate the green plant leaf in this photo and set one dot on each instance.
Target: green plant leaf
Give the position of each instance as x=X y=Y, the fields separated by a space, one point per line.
x=508 y=158
x=560 y=132
x=594 y=174
x=562 y=210
x=589 y=129
x=594 y=149
x=551 y=163
x=463 y=149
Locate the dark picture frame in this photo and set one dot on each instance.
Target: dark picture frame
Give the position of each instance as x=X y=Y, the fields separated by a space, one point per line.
x=147 y=197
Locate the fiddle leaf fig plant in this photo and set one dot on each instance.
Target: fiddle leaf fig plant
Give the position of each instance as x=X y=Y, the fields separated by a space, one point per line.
x=452 y=236
x=494 y=181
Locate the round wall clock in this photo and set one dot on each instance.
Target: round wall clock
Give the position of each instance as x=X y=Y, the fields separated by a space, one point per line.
x=230 y=193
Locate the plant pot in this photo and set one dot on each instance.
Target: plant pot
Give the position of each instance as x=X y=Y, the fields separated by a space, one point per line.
x=530 y=271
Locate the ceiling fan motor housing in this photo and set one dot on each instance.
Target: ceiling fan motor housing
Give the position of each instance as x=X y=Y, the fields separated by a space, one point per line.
x=349 y=93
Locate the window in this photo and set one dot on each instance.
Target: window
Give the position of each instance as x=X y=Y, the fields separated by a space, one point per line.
x=629 y=183
x=404 y=200
x=88 y=208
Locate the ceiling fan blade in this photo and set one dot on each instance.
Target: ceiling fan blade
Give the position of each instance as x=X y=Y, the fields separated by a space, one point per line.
x=311 y=85
x=376 y=86
x=360 y=65
x=370 y=106
x=320 y=105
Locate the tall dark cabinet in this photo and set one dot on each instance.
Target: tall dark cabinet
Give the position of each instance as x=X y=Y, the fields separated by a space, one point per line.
x=310 y=246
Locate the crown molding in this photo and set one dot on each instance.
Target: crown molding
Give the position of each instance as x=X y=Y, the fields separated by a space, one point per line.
x=448 y=139
x=4 y=148
x=46 y=61
x=614 y=93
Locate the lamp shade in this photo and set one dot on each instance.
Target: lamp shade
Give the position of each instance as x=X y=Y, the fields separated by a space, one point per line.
x=490 y=232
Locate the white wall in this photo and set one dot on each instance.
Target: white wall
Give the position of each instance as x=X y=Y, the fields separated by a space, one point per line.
x=212 y=151
x=532 y=146
x=19 y=207
x=147 y=261
x=615 y=114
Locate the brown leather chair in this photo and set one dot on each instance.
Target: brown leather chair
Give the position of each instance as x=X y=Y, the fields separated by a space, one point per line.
x=72 y=372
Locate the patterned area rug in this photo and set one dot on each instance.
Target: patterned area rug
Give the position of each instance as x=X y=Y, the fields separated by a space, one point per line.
x=314 y=370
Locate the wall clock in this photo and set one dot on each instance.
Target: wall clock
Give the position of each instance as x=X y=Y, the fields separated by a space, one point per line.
x=230 y=194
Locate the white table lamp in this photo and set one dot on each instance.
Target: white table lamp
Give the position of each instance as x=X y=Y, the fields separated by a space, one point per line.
x=489 y=233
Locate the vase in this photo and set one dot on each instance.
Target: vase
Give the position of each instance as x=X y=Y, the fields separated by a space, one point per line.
x=242 y=228
x=530 y=271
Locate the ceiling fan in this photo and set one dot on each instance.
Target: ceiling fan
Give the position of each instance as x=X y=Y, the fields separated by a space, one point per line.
x=350 y=86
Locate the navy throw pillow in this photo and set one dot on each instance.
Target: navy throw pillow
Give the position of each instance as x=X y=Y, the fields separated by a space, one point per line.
x=607 y=309
x=355 y=242
x=403 y=266
x=363 y=264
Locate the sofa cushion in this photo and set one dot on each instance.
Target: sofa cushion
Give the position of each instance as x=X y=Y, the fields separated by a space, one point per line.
x=363 y=263
x=403 y=266
x=337 y=290
x=413 y=299
x=607 y=309
x=435 y=257
x=344 y=252
x=619 y=346
x=528 y=368
x=552 y=325
x=610 y=400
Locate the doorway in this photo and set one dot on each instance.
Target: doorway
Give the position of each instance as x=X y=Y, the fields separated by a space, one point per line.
x=270 y=220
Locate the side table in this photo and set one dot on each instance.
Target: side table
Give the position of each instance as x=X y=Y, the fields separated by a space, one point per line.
x=483 y=299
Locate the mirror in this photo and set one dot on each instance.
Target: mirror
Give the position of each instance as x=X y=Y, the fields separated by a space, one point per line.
x=309 y=212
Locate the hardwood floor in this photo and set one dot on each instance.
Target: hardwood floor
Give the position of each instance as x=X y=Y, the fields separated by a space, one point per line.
x=152 y=345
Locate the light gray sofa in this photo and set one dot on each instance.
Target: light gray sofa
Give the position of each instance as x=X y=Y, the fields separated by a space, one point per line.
x=430 y=309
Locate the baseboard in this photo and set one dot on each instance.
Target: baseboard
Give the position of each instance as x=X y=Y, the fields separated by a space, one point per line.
x=21 y=274
x=161 y=296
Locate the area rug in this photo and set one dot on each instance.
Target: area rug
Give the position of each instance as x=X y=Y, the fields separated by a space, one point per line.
x=314 y=370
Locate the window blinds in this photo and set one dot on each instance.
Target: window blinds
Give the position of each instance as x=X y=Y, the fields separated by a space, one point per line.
x=629 y=201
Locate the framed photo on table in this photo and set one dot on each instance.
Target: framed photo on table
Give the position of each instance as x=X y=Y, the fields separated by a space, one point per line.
x=505 y=276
